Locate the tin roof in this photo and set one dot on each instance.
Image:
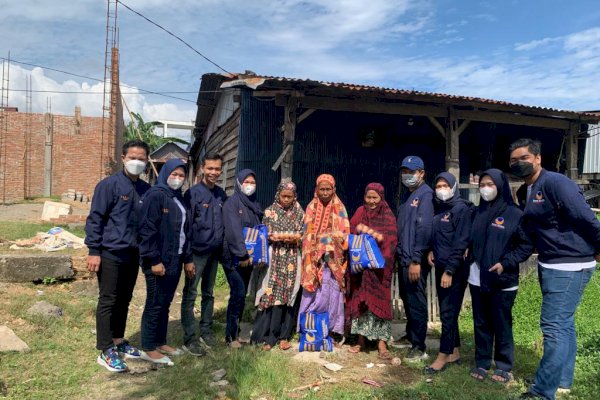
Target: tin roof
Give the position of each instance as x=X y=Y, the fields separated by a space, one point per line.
x=258 y=82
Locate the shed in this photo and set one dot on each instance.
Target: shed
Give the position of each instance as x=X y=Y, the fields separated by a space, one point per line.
x=299 y=128
x=164 y=153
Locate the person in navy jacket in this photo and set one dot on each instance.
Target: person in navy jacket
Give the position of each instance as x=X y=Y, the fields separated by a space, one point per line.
x=566 y=234
x=240 y=211
x=164 y=248
x=498 y=245
x=111 y=237
x=451 y=233
x=205 y=200
x=415 y=215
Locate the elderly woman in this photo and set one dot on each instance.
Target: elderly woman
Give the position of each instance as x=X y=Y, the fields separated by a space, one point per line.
x=164 y=248
x=280 y=282
x=240 y=211
x=451 y=233
x=498 y=246
x=368 y=304
x=324 y=258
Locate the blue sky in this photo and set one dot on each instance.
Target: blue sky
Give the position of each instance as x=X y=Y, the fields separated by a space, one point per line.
x=535 y=52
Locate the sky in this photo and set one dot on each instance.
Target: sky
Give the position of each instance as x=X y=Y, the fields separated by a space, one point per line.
x=534 y=52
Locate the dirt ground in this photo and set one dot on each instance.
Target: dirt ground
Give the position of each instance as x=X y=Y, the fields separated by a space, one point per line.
x=32 y=211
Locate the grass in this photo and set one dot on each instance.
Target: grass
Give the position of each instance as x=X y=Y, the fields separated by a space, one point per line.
x=61 y=363
x=12 y=230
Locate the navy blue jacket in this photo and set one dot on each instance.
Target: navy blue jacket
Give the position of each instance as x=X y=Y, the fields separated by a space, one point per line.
x=497 y=237
x=239 y=211
x=207 y=220
x=560 y=223
x=451 y=229
x=112 y=227
x=160 y=225
x=415 y=216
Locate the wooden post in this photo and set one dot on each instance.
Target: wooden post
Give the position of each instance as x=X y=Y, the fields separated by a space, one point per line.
x=571 y=149
x=452 y=144
x=289 y=134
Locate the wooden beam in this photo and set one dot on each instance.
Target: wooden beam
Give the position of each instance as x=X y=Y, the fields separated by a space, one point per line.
x=572 y=148
x=305 y=115
x=462 y=127
x=512 y=119
x=289 y=133
x=334 y=104
x=437 y=125
x=280 y=158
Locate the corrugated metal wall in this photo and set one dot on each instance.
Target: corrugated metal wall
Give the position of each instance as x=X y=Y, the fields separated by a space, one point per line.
x=591 y=161
x=260 y=143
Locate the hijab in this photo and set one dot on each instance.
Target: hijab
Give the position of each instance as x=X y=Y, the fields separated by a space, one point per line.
x=490 y=210
x=248 y=201
x=440 y=205
x=161 y=182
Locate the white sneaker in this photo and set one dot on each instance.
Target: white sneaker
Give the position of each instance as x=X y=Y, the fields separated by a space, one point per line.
x=163 y=360
x=415 y=355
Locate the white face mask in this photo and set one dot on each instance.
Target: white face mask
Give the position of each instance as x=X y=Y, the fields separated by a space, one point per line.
x=135 y=167
x=248 y=189
x=488 y=193
x=410 y=180
x=175 y=183
x=444 y=194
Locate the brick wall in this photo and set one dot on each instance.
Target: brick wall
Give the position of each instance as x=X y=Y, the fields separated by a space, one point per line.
x=80 y=158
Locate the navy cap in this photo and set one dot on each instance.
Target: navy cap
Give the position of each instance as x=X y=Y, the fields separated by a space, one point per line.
x=413 y=163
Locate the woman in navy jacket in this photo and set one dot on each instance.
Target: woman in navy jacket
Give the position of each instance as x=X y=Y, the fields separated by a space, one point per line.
x=240 y=211
x=451 y=232
x=498 y=246
x=164 y=248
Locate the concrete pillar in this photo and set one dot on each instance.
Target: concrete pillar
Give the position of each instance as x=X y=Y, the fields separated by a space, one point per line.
x=452 y=144
x=49 y=130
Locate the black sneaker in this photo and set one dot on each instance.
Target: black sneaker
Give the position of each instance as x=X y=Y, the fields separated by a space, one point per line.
x=195 y=348
x=415 y=355
x=209 y=340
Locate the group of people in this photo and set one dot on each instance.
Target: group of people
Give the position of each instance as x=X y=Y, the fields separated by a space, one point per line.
x=166 y=231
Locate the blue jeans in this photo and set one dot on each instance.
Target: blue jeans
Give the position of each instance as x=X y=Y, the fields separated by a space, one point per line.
x=562 y=292
x=206 y=271
x=155 y=319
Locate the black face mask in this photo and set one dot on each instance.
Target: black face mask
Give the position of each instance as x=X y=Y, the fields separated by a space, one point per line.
x=522 y=169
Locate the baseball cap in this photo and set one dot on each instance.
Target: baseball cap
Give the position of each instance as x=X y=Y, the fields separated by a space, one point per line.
x=413 y=163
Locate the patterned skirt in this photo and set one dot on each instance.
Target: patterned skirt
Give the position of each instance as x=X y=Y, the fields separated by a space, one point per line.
x=372 y=327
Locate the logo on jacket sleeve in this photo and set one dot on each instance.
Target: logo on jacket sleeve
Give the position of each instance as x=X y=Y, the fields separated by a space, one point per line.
x=538 y=198
x=446 y=218
x=499 y=223
x=165 y=210
x=124 y=197
x=415 y=202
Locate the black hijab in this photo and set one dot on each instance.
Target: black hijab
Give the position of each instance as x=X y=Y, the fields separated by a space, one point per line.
x=440 y=206
x=163 y=176
x=490 y=210
x=248 y=201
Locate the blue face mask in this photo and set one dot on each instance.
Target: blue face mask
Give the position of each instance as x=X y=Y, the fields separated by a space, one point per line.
x=410 y=180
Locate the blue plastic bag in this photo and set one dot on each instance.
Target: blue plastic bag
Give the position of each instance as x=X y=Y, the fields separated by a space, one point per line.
x=364 y=253
x=314 y=332
x=257 y=243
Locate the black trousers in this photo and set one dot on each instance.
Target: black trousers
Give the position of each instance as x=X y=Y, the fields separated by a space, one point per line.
x=155 y=319
x=238 y=279
x=274 y=324
x=450 y=300
x=116 y=281
x=414 y=297
x=492 y=319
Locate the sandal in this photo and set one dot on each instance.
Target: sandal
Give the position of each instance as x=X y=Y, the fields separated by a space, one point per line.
x=285 y=345
x=479 y=373
x=432 y=371
x=502 y=376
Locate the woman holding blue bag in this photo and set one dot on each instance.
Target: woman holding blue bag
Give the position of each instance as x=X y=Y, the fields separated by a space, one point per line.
x=280 y=282
x=368 y=301
x=324 y=256
x=240 y=211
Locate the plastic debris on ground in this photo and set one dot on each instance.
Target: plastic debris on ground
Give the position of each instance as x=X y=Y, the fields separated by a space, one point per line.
x=55 y=239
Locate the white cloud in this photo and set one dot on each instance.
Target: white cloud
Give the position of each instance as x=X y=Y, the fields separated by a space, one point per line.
x=534 y=44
